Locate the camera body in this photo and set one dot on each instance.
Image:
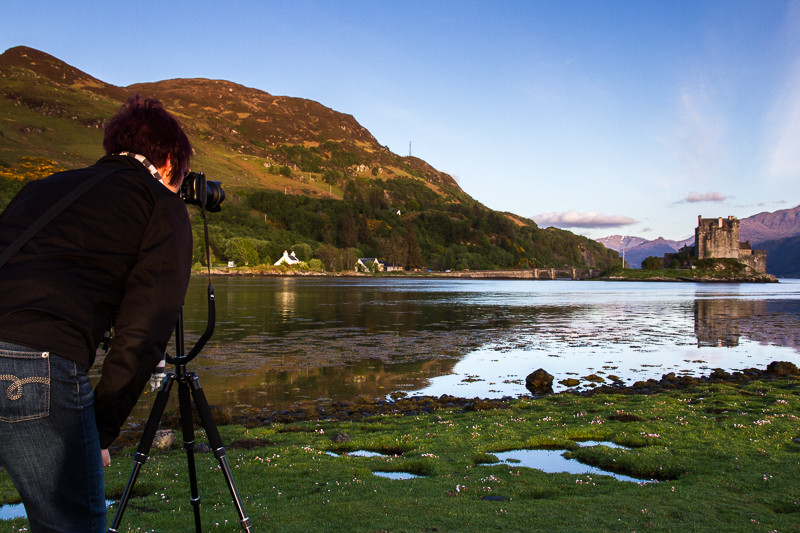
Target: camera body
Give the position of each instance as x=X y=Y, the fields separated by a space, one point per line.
x=197 y=190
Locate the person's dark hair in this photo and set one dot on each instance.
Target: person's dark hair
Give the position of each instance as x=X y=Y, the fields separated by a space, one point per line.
x=145 y=127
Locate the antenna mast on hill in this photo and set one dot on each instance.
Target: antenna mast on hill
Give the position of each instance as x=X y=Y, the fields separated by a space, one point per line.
x=409 y=148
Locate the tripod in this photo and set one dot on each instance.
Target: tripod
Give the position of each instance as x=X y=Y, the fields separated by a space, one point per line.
x=188 y=388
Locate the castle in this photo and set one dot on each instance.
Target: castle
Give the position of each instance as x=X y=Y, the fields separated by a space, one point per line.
x=719 y=238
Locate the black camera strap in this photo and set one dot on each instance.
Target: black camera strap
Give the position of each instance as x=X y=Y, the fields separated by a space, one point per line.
x=51 y=213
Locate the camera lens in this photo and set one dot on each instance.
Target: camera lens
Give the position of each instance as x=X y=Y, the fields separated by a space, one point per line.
x=215 y=195
x=196 y=190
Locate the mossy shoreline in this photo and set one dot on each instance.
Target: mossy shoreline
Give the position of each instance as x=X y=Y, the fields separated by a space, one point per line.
x=722 y=449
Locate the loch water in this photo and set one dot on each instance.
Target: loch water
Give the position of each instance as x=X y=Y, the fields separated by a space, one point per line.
x=281 y=341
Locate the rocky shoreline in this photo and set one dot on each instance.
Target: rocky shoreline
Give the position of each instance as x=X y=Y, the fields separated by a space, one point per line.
x=363 y=409
x=401 y=403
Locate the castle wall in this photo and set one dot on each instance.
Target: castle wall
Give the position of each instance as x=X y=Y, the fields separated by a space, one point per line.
x=756 y=259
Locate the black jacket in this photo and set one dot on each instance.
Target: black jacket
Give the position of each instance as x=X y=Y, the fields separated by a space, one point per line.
x=120 y=254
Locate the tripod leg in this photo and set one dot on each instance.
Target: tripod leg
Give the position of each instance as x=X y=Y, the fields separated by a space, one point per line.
x=216 y=444
x=187 y=428
x=145 y=443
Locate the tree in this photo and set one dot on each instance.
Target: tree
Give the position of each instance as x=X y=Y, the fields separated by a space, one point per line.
x=652 y=263
x=329 y=255
x=348 y=257
x=263 y=248
x=348 y=233
x=241 y=250
x=302 y=251
x=394 y=249
x=414 y=258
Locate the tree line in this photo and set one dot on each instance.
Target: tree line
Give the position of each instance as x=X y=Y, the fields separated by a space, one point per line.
x=401 y=221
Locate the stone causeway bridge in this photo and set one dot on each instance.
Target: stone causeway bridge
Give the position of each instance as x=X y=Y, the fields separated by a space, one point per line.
x=531 y=273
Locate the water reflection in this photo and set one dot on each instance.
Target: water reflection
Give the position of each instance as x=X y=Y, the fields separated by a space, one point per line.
x=722 y=322
x=279 y=341
x=396 y=475
x=553 y=461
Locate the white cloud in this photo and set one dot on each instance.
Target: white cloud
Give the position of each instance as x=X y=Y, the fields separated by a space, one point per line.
x=696 y=197
x=573 y=219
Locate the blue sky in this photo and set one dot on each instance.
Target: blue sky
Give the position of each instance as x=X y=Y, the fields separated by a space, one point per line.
x=602 y=117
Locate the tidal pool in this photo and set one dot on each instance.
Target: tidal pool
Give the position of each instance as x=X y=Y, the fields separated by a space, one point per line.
x=379 y=473
x=553 y=461
x=396 y=475
x=358 y=453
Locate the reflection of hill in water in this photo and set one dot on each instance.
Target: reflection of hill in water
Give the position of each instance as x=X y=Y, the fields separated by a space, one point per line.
x=722 y=322
x=246 y=382
x=280 y=342
x=279 y=389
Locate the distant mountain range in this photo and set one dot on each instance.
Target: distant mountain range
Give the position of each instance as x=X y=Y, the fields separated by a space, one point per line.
x=637 y=249
x=765 y=226
x=777 y=232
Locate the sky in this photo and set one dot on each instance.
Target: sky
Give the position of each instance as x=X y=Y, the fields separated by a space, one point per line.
x=601 y=117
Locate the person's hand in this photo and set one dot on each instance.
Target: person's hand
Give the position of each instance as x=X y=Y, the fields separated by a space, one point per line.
x=106 y=457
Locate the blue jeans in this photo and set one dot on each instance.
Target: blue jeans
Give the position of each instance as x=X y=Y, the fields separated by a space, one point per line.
x=48 y=440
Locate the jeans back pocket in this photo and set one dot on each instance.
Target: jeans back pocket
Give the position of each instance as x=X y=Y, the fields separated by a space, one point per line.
x=24 y=384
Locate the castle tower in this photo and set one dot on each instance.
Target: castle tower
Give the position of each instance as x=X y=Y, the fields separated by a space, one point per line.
x=717 y=238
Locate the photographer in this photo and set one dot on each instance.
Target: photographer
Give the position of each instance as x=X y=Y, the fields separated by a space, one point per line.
x=118 y=256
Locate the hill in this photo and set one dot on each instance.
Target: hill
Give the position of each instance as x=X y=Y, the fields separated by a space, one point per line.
x=783 y=256
x=298 y=174
x=766 y=226
x=778 y=233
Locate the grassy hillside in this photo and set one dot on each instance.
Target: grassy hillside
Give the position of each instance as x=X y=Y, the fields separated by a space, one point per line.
x=298 y=174
x=783 y=256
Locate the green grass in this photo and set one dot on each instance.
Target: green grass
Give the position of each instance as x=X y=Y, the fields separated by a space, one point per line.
x=724 y=458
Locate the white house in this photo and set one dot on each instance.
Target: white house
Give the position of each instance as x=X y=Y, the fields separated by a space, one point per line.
x=288 y=258
x=369 y=264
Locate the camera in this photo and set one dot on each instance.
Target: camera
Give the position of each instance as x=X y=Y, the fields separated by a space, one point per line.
x=196 y=190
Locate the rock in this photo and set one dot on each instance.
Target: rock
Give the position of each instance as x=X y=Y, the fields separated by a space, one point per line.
x=539 y=382
x=783 y=368
x=570 y=382
x=719 y=374
x=594 y=378
x=202 y=447
x=164 y=439
x=341 y=437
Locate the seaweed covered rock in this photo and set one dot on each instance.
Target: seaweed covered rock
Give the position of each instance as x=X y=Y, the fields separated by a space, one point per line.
x=783 y=368
x=539 y=382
